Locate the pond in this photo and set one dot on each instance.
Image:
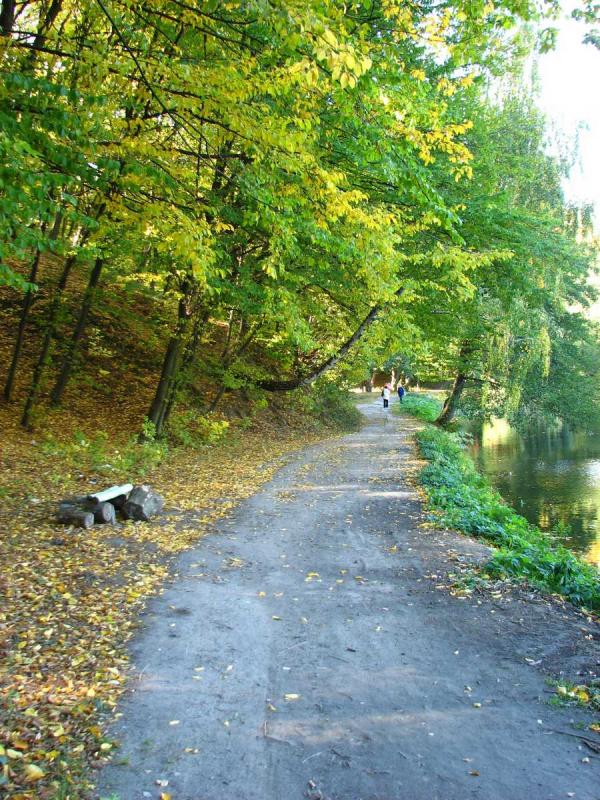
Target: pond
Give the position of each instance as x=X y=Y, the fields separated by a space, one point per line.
x=552 y=479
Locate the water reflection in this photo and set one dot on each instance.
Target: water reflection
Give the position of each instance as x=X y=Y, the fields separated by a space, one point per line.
x=552 y=478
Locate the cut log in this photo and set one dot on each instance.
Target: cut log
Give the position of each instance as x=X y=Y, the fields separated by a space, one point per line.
x=104 y=513
x=142 y=504
x=73 y=515
x=109 y=494
x=101 y=512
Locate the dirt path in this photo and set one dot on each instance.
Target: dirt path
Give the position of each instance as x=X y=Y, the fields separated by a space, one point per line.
x=305 y=652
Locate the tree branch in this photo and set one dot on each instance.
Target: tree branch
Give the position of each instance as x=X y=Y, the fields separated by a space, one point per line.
x=305 y=380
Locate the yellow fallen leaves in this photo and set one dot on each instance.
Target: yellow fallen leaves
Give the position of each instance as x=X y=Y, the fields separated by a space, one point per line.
x=586 y=695
x=72 y=598
x=32 y=773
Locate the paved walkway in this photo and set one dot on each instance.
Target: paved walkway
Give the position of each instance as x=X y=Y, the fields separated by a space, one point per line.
x=305 y=652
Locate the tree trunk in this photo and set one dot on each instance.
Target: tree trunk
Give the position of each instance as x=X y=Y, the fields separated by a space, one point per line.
x=452 y=401
x=47 y=341
x=186 y=363
x=46 y=23
x=7 y=16
x=157 y=411
x=52 y=323
x=25 y=309
x=69 y=359
x=160 y=404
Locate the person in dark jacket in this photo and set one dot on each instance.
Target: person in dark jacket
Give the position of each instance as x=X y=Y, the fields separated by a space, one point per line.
x=400 y=392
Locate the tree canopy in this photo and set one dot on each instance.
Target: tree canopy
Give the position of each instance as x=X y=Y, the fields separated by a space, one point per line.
x=325 y=183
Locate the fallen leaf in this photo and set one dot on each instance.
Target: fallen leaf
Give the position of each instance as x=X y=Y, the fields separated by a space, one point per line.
x=33 y=773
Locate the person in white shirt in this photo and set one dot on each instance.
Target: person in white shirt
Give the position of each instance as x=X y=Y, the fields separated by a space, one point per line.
x=386 y=396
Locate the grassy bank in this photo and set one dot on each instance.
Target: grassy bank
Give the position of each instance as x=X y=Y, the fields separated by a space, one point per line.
x=463 y=500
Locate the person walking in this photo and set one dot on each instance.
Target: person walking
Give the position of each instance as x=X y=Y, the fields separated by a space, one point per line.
x=386 y=395
x=400 y=392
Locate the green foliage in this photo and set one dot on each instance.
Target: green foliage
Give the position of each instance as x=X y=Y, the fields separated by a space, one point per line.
x=581 y=694
x=331 y=406
x=464 y=501
x=190 y=429
x=334 y=163
x=130 y=460
x=419 y=405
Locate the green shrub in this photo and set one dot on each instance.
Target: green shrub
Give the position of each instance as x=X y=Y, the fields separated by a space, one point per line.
x=464 y=501
x=423 y=406
x=191 y=429
x=331 y=406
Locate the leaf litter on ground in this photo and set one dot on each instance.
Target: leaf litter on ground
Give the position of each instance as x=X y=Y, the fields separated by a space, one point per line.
x=72 y=598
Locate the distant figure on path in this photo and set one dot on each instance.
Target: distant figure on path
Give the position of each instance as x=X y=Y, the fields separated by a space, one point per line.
x=400 y=392
x=386 y=396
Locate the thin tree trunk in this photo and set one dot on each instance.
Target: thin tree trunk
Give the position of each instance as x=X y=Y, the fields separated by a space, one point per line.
x=157 y=412
x=232 y=357
x=452 y=401
x=52 y=323
x=47 y=23
x=45 y=351
x=158 y=409
x=186 y=363
x=216 y=399
x=25 y=309
x=69 y=358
